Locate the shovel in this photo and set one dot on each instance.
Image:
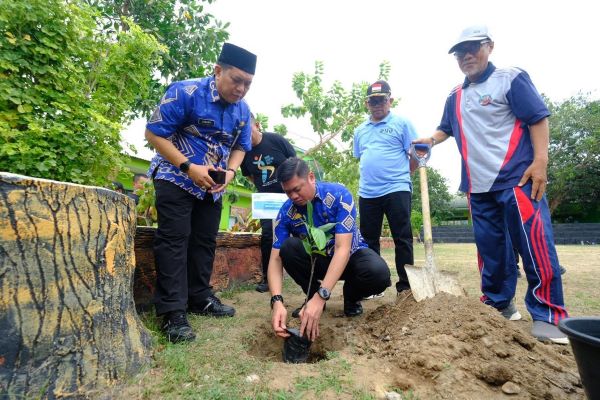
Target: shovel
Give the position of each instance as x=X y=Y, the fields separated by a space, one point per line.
x=427 y=281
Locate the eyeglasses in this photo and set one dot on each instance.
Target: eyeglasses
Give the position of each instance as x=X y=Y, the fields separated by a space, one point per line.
x=377 y=100
x=469 y=47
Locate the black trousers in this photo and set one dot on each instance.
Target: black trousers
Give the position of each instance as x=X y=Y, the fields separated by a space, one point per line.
x=184 y=246
x=366 y=272
x=396 y=207
x=266 y=244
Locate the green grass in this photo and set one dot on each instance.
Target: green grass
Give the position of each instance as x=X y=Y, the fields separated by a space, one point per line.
x=580 y=282
x=216 y=365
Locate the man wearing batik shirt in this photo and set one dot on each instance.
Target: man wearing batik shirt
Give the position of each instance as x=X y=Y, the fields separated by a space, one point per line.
x=347 y=257
x=500 y=124
x=201 y=126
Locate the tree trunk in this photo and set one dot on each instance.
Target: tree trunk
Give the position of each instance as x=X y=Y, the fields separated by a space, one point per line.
x=67 y=318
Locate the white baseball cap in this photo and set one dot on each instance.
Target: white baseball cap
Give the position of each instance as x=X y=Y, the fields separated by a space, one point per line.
x=471 y=34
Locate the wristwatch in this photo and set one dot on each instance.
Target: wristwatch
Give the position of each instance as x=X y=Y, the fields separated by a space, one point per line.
x=185 y=166
x=275 y=299
x=324 y=293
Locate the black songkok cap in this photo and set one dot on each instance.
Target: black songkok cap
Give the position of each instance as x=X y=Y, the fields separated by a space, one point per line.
x=238 y=57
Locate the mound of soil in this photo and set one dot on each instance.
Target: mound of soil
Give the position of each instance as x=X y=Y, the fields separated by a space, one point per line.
x=446 y=347
x=456 y=347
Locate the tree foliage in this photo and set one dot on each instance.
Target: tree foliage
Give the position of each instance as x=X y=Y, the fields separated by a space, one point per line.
x=333 y=112
x=574 y=158
x=65 y=89
x=192 y=36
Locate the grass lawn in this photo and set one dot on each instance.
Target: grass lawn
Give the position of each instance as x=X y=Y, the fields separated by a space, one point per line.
x=220 y=363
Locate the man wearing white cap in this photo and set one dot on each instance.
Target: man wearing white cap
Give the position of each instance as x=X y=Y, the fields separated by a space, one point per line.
x=500 y=124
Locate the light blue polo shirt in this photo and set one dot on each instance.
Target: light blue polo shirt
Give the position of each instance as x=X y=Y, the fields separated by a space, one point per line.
x=383 y=149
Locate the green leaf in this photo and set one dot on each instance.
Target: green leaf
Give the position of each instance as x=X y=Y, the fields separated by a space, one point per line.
x=318 y=237
x=307 y=246
x=327 y=227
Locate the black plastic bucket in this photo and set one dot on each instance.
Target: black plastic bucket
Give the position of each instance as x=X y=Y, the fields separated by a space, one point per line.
x=584 y=335
x=296 y=348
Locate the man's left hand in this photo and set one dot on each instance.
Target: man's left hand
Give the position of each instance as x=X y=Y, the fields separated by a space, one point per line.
x=537 y=173
x=229 y=175
x=310 y=317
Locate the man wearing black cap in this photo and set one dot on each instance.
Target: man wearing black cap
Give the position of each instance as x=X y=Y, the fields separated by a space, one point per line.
x=500 y=124
x=201 y=126
x=382 y=144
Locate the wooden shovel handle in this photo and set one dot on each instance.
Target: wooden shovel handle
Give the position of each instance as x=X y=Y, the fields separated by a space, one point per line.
x=427 y=236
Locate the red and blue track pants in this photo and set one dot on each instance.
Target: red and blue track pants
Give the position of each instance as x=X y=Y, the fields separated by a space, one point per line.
x=505 y=219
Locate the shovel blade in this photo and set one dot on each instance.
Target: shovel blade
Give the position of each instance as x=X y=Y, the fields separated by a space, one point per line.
x=426 y=283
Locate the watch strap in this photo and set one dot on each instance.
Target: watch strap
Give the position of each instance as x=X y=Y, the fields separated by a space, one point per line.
x=185 y=166
x=275 y=299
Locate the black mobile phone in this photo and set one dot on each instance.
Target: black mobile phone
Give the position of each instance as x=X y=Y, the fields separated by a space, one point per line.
x=217 y=176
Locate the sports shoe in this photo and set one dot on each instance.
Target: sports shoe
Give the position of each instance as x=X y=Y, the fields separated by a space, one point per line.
x=543 y=331
x=510 y=312
x=212 y=307
x=374 y=296
x=177 y=328
x=262 y=287
x=352 y=308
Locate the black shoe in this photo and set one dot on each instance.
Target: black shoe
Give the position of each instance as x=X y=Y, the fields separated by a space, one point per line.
x=562 y=269
x=213 y=307
x=177 y=328
x=262 y=287
x=519 y=273
x=352 y=308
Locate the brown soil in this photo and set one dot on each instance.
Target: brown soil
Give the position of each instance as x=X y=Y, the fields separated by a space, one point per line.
x=441 y=348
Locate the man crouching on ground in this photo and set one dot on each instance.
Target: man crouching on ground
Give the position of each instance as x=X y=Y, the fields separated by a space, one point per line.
x=347 y=256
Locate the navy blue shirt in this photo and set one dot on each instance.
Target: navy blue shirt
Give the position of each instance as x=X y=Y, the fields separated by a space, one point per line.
x=332 y=203
x=199 y=125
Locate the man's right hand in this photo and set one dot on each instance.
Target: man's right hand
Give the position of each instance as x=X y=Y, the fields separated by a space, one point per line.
x=278 y=318
x=199 y=174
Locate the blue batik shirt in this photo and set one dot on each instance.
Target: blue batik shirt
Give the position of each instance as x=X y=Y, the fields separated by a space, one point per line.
x=332 y=203
x=199 y=125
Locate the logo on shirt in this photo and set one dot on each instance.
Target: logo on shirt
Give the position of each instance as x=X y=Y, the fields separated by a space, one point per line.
x=387 y=130
x=264 y=166
x=485 y=100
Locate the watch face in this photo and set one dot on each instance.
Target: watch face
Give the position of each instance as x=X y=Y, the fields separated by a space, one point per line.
x=324 y=293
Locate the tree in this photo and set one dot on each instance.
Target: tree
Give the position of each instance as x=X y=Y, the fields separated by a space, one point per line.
x=66 y=88
x=574 y=157
x=192 y=36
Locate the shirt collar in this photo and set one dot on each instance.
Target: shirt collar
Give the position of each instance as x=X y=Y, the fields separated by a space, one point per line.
x=486 y=74
x=212 y=88
x=385 y=120
x=318 y=194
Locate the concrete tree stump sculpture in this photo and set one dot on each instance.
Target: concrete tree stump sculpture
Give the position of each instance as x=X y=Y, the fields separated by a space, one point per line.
x=67 y=318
